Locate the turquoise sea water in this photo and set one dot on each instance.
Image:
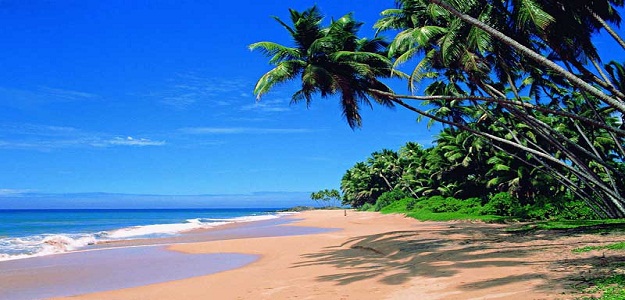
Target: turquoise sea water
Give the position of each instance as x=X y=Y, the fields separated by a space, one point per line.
x=27 y=233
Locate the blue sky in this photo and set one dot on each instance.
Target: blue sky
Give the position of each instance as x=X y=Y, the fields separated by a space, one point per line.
x=155 y=97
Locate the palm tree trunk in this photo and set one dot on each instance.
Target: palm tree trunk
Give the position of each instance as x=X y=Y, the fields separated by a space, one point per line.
x=607 y=27
x=589 y=121
x=388 y=183
x=616 y=204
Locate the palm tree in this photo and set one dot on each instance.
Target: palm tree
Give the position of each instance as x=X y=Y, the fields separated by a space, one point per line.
x=475 y=39
x=328 y=61
x=533 y=55
x=481 y=54
x=385 y=165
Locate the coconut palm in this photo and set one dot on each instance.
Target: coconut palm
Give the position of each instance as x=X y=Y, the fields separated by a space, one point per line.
x=481 y=54
x=329 y=61
x=484 y=48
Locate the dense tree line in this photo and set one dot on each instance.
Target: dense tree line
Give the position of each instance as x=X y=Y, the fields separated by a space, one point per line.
x=459 y=166
x=520 y=80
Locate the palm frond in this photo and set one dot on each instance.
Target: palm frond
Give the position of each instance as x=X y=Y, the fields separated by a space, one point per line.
x=276 y=51
x=283 y=72
x=531 y=12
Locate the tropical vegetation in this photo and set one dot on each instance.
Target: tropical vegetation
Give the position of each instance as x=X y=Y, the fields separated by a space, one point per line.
x=457 y=179
x=327 y=198
x=529 y=107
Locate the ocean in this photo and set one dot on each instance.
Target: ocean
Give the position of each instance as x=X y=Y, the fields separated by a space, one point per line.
x=30 y=233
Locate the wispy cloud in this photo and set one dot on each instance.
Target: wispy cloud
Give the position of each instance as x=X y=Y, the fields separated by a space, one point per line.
x=66 y=94
x=23 y=98
x=46 y=138
x=189 y=89
x=268 y=105
x=130 y=141
x=36 y=129
x=241 y=130
x=13 y=192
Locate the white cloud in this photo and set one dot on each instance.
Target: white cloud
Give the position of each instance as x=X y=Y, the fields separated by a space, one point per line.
x=35 y=129
x=241 y=130
x=27 y=98
x=130 y=141
x=66 y=94
x=46 y=138
x=13 y=192
x=268 y=105
x=189 y=89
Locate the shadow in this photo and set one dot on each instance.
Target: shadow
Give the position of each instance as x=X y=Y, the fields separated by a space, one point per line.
x=394 y=258
x=501 y=281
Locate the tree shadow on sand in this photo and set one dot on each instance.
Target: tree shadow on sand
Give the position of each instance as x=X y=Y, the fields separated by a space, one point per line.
x=393 y=258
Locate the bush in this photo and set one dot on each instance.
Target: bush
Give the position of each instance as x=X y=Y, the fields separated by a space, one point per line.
x=564 y=208
x=502 y=204
x=366 y=207
x=438 y=204
x=402 y=206
x=472 y=206
x=389 y=197
x=577 y=210
x=449 y=204
x=410 y=203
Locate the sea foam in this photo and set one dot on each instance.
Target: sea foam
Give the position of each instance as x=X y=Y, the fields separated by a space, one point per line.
x=40 y=245
x=48 y=244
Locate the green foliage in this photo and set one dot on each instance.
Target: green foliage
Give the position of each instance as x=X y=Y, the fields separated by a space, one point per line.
x=328 y=60
x=471 y=206
x=328 y=197
x=608 y=225
x=615 y=246
x=502 y=204
x=526 y=118
x=563 y=208
x=611 y=288
x=389 y=197
x=438 y=208
x=430 y=216
x=401 y=206
x=366 y=207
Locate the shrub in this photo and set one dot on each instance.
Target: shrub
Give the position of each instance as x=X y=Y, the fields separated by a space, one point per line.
x=410 y=203
x=577 y=210
x=502 y=204
x=449 y=204
x=389 y=197
x=545 y=208
x=472 y=206
x=402 y=206
x=366 y=207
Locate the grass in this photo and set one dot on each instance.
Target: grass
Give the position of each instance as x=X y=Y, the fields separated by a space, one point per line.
x=425 y=214
x=610 y=288
x=615 y=246
x=596 y=226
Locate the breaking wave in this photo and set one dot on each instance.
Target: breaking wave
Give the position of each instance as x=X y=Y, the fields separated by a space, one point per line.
x=47 y=244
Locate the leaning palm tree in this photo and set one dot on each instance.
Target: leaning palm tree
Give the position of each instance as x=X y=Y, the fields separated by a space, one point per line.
x=481 y=64
x=329 y=61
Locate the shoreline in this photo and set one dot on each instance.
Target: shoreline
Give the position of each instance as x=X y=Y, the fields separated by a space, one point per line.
x=72 y=239
x=375 y=256
x=372 y=256
x=129 y=263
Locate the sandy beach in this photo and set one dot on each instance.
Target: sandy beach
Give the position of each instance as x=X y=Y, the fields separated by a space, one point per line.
x=375 y=256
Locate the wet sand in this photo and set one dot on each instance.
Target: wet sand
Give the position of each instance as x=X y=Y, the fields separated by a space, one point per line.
x=94 y=271
x=131 y=263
